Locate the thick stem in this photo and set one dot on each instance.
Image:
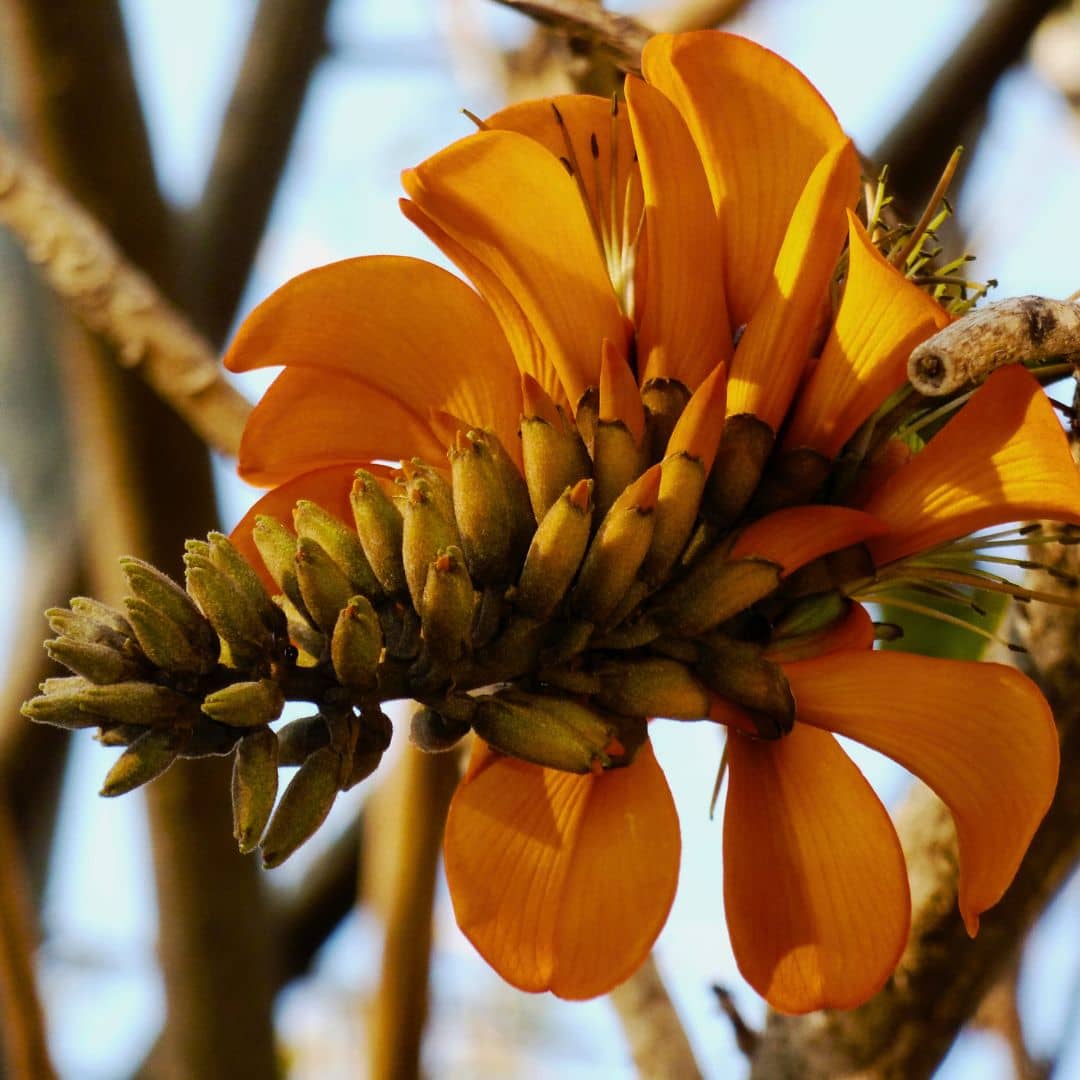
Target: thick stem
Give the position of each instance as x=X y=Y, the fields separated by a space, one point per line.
x=424 y=785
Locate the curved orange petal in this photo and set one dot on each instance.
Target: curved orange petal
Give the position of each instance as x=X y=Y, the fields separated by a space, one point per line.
x=328 y=487
x=525 y=346
x=796 y=535
x=407 y=328
x=774 y=351
x=815 y=886
x=854 y=631
x=561 y=881
x=1003 y=457
x=593 y=130
x=760 y=127
x=512 y=206
x=981 y=735
x=683 y=329
x=309 y=419
x=882 y=317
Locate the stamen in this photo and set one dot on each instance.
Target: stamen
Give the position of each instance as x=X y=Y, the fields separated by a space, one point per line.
x=926 y=221
x=572 y=166
x=721 y=772
x=481 y=125
x=952 y=620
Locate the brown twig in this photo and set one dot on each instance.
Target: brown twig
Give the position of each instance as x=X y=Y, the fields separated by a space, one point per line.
x=653 y=1029
x=25 y=1048
x=113 y=299
x=424 y=784
x=590 y=26
x=955 y=94
x=287 y=41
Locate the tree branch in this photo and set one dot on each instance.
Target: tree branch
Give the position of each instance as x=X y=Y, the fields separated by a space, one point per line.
x=26 y=1050
x=420 y=795
x=113 y=299
x=286 y=43
x=653 y=1029
x=954 y=96
x=590 y=26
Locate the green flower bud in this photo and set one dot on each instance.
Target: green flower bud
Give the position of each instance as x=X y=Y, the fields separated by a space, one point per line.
x=555 y=458
x=811 y=614
x=652 y=686
x=163 y=594
x=744 y=448
x=98 y=663
x=303 y=806
x=363 y=764
x=482 y=509
x=617 y=462
x=245 y=704
x=144 y=760
x=141 y=703
x=223 y=554
x=76 y=627
x=277 y=547
x=738 y=671
x=356 y=645
x=429 y=528
x=101 y=613
x=325 y=589
x=339 y=542
x=617 y=550
x=556 y=551
x=446 y=608
x=664 y=401
x=379 y=526
x=434 y=732
x=299 y=739
x=251 y=646
x=254 y=786
x=682 y=482
x=715 y=589
x=165 y=642
x=558 y=732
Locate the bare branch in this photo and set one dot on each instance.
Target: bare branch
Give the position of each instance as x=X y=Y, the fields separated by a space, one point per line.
x=286 y=43
x=420 y=797
x=590 y=26
x=26 y=1050
x=955 y=94
x=115 y=300
x=653 y=1029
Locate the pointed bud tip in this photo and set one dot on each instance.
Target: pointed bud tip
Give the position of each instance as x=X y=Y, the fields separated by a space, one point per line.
x=581 y=495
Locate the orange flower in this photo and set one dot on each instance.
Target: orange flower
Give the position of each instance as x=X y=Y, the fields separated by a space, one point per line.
x=650 y=270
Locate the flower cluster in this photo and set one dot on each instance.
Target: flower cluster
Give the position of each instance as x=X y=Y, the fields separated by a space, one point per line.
x=653 y=462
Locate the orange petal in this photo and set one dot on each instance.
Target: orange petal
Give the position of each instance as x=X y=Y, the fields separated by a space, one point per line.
x=882 y=317
x=620 y=398
x=593 y=129
x=799 y=534
x=527 y=350
x=309 y=419
x=1003 y=457
x=773 y=353
x=760 y=127
x=683 y=329
x=700 y=426
x=562 y=882
x=981 y=735
x=406 y=328
x=512 y=206
x=815 y=886
x=854 y=631
x=328 y=487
